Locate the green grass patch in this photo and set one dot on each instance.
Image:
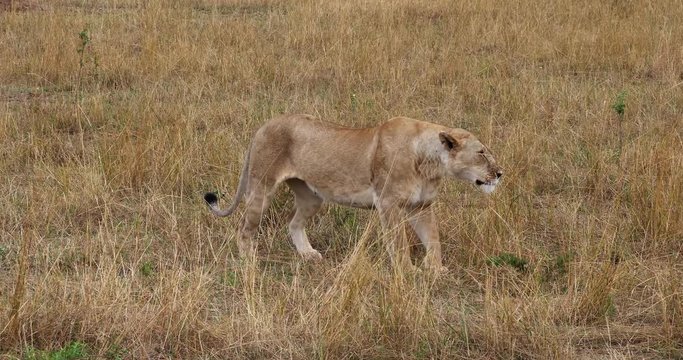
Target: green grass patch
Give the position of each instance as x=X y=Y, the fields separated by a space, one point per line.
x=509 y=260
x=74 y=350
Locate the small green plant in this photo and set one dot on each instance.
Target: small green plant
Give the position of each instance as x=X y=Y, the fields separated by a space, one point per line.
x=620 y=103
x=84 y=35
x=561 y=262
x=147 y=269
x=73 y=351
x=31 y=354
x=611 y=308
x=116 y=352
x=619 y=106
x=345 y=217
x=354 y=102
x=508 y=259
x=3 y=252
x=85 y=53
x=361 y=103
x=230 y=279
x=423 y=350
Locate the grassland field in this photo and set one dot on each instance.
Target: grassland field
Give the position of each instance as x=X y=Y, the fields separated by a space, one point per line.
x=117 y=115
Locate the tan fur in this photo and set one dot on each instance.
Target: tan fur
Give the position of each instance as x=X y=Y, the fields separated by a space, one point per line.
x=395 y=167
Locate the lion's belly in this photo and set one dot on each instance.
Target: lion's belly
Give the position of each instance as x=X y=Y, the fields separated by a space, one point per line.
x=357 y=197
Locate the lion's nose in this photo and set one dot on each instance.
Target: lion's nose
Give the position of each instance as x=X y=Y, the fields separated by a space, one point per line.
x=499 y=174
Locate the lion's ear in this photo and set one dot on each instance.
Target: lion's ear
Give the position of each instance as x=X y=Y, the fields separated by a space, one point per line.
x=448 y=141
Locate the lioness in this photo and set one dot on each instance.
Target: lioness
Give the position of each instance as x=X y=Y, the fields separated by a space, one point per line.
x=395 y=167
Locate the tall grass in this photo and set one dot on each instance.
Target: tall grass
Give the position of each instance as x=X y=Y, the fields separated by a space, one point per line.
x=115 y=116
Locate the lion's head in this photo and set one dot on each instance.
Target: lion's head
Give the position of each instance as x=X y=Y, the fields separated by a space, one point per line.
x=466 y=158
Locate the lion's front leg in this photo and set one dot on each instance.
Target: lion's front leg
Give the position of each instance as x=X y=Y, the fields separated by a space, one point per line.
x=426 y=227
x=393 y=219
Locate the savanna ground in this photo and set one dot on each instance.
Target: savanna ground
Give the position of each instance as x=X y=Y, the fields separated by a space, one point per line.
x=116 y=115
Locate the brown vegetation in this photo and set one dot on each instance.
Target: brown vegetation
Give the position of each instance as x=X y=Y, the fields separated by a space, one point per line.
x=115 y=117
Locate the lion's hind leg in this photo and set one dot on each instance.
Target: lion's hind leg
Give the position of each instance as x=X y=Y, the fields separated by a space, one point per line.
x=307 y=204
x=258 y=200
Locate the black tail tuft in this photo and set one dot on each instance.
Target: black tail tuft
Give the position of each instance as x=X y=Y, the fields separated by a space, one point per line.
x=211 y=198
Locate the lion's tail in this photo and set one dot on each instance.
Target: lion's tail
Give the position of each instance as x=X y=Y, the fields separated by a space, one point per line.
x=212 y=198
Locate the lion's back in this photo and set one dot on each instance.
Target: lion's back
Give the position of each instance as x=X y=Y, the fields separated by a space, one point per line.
x=317 y=151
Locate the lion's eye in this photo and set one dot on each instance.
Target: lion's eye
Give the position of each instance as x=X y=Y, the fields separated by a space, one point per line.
x=480 y=152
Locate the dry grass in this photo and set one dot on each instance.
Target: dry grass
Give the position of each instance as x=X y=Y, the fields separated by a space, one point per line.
x=108 y=140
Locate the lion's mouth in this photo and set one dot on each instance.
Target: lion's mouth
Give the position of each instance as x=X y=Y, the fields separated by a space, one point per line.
x=487 y=186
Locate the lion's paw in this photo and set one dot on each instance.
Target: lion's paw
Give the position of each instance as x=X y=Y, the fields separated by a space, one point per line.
x=439 y=270
x=311 y=255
